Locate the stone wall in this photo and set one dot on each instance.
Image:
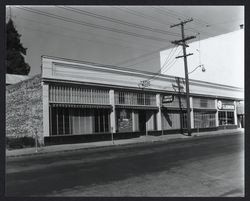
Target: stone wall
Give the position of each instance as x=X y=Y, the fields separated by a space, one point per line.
x=24 y=109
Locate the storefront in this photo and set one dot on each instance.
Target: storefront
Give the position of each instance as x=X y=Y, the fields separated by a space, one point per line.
x=226 y=113
x=174 y=113
x=83 y=101
x=205 y=112
x=135 y=111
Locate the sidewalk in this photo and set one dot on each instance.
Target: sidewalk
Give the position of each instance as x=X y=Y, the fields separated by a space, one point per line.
x=142 y=139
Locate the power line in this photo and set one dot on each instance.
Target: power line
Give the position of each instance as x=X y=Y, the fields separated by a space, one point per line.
x=81 y=31
x=162 y=68
x=75 y=38
x=118 y=21
x=166 y=61
x=144 y=16
x=197 y=20
x=93 y=25
x=172 y=63
x=144 y=55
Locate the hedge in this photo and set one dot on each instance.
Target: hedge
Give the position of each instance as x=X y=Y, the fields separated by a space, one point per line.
x=20 y=142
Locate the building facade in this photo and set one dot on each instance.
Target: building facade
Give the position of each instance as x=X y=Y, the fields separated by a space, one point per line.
x=84 y=101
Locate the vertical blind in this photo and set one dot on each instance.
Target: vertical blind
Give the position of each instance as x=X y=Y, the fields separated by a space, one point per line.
x=204 y=120
x=135 y=98
x=204 y=103
x=67 y=94
x=77 y=121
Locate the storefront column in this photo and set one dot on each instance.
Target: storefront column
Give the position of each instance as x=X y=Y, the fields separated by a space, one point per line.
x=112 y=113
x=45 y=90
x=159 y=113
x=133 y=122
x=216 y=114
x=235 y=113
x=191 y=112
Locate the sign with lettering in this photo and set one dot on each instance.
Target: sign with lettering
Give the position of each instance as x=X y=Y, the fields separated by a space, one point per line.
x=223 y=106
x=167 y=99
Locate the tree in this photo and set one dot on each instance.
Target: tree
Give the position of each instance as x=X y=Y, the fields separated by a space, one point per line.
x=15 y=52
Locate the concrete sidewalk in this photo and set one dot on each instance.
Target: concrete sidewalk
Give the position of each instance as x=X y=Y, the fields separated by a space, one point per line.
x=142 y=139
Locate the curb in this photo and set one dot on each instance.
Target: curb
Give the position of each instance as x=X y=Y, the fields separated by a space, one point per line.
x=176 y=139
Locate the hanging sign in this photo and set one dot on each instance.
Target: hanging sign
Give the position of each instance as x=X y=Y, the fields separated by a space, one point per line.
x=167 y=99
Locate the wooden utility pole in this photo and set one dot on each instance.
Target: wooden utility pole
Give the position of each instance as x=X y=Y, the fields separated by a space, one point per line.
x=185 y=55
x=179 y=87
x=179 y=97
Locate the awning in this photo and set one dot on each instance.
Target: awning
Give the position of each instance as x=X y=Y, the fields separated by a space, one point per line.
x=137 y=107
x=173 y=108
x=205 y=110
x=69 y=105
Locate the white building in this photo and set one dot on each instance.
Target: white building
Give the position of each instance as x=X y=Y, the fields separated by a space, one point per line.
x=74 y=101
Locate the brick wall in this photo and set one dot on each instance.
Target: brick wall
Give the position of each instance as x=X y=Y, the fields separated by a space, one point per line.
x=24 y=109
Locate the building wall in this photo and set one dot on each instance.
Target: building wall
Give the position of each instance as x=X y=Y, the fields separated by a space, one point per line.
x=68 y=71
x=222 y=56
x=131 y=109
x=24 y=109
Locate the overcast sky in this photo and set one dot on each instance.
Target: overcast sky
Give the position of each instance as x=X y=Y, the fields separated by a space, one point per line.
x=123 y=36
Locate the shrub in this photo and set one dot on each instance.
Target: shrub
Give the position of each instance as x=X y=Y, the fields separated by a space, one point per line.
x=20 y=142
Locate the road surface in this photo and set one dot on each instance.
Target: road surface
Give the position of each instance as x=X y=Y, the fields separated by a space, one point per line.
x=206 y=166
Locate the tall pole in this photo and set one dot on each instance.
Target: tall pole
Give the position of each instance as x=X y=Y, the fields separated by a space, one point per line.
x=184 y=45
x=179 y=98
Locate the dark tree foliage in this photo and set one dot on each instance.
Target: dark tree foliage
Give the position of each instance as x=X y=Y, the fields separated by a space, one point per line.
x=15 y=52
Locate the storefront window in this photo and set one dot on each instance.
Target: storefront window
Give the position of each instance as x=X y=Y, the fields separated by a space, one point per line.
x=75 y=121
x=222 y=118
x=134 y=98
x=124 y=120
x=140 y=99
x=230 y=117
x=204 y=120
x=226 y=117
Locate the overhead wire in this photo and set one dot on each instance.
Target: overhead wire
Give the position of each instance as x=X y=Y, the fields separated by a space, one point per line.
x=145 y=16
x=196 y=19
x=93 y=25
x=110 y=19
x=144 y=55
x=81 y=31
x=145 y=61
x=164 y=66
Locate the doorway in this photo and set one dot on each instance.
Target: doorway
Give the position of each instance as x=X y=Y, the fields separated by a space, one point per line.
x=142 y=121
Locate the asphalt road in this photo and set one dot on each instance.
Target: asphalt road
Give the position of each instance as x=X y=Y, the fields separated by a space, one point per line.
x=210 y=166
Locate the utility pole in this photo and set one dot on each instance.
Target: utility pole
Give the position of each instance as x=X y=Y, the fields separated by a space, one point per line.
x=179 y=97
x=185 y=55
x=179 y=87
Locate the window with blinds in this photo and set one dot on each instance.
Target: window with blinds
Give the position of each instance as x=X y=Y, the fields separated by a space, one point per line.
x=204 y=120
x=67 y=94
x=78 y=121
x=133 y=98
x=204 y=103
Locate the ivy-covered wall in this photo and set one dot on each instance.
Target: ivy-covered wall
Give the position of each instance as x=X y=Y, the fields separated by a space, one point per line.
x=24 y=115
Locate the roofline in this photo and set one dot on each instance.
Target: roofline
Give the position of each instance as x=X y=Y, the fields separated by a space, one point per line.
x=136 y=71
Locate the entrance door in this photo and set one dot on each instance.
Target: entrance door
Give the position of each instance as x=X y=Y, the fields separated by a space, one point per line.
x=142 y=120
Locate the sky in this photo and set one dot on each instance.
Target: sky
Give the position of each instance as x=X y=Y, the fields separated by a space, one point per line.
x=124 y=36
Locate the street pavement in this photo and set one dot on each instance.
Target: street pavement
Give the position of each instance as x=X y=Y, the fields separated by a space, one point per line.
x=198 y=166
x=142 y=139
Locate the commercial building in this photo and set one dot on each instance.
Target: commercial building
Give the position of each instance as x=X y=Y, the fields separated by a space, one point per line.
x=73 y=101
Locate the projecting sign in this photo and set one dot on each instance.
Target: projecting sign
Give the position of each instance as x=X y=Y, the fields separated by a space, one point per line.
x=222 y=106
x=167 y=99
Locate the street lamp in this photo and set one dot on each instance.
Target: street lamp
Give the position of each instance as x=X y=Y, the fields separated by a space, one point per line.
x=200 y=66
